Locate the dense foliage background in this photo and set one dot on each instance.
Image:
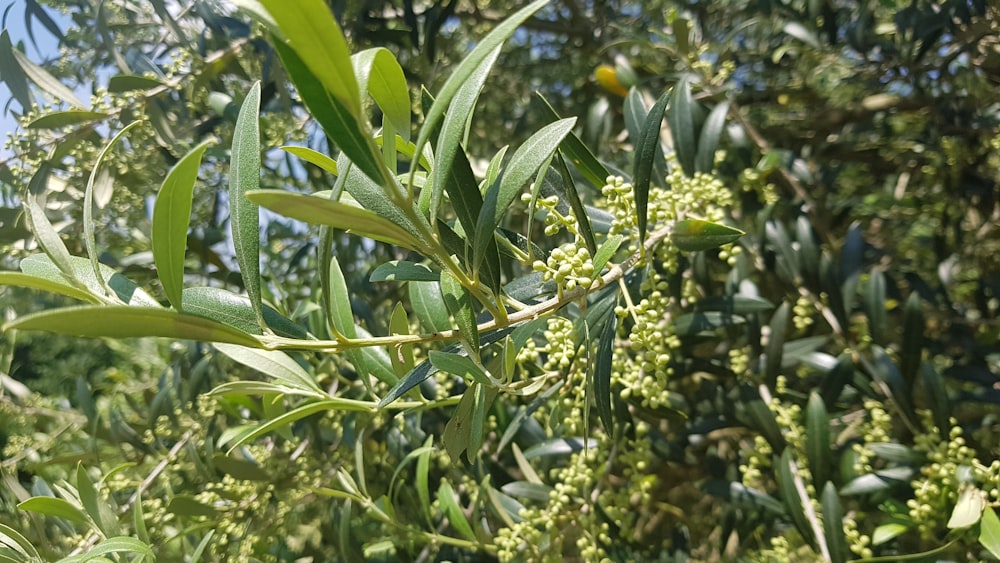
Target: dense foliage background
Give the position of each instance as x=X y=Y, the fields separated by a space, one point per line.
x=824 y=388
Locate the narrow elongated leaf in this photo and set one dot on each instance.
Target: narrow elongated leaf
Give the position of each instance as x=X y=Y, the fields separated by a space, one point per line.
x=459 y=304
x=89 y=236
x=400 y=355
x=708 y=140
x=273 y=363
x=457 y=431
x=786 y=473
x=130 y=83
x=681 y=118
x=116 y=321
x=989 y=532
x=236 y=311
x=875 y=305
x=313 y=157
x=244 y=175
x=457 y=364
x=51 y=506
x=117 y=544
x=606 y=252
x=776 y=343
x=47 y=237
x=17 y=279
x=339 y=122
x=602 y=374
x=449 y=505
x=818 y=439
x=580 y=155
x=309 y=27
x=401 y=270
x=523 y=166
x=319 y=210
x=48 y=83
x=13 y=75
x=80 y=274
x=833 y=525
x=692 y=235
x=171 y=218
x=378 y=72
x=734 y=304
x=576 y=204
x=465 y=195
x=465 y=69
x=308 y=409
x=911 y=353
x=64 y=119
x=97 y=508
x=647 y=150
x=429 y=306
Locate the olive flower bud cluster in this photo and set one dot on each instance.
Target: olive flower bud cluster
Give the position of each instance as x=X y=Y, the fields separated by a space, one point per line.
x=569 y=265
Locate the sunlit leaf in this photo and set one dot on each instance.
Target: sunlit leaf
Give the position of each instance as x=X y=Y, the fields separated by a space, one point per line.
x=52 y=506
x=128 y=322
x=647 y=150
x=969 y=508
x=171 y=218
x=692 y=235
x=401 y=270
x=59 y=119
x=244 y=175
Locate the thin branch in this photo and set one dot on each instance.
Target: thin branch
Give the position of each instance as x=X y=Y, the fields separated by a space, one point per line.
x=615 y=273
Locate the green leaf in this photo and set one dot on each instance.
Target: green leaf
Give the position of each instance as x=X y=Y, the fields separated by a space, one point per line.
x=818 y=439
x=449 y=505
x=186 y=505
x=59 y=119
x=244 y=175
x=459 y=304
x=888 y=531
x=18 y=279
x=340 y=313
x=833 y=525
x=378 y=72
x=429 y=306
x=911 y=353
x=308 y=26
x=89 y=236
x=116 y=321
x=467 y=67
x=273 y=363
x=120 y=544
x=776 y=343
x=401 y=270
x=400 y=355
x=800 y=32
x=989 y=532
x=465 y=196
x=580 y=155
x=171 y=219
x=236 y=311
x=48 y=238
x=878 y=481
x=80 y=273
x=333 y=404
x=875 y=305
x=457 y=364
x=523 y=166
x=49 y=84
x=708 y=140
x=602 y=374
x=681 y=117
x=337 y=214
x=313 y=157
x=786 y=474
x=734 y=304
x=13 y=75
x=969 y=508
x=16 y=541
x=130 y=83
x=647 y=151
x=606 y=252
x=98 y=509
x=692 y=235
x=51 y=506
x=340 y=123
